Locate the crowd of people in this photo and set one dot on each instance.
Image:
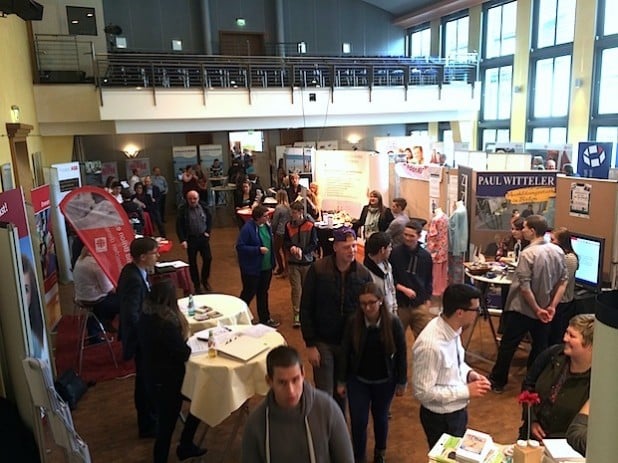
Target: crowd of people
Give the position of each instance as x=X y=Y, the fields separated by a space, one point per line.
x=353 y=319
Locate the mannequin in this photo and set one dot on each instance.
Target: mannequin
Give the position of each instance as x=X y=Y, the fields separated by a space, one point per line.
x=458 y=242
x=438 y=245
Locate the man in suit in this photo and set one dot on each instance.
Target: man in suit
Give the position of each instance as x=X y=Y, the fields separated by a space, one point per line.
x=133 y=287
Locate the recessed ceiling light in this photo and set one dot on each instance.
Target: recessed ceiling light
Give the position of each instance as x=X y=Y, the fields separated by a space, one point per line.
x=90 y=15
x=75 y=21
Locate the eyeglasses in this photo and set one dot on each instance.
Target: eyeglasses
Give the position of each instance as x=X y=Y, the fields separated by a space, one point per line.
x=370 y=303
x=478 y=309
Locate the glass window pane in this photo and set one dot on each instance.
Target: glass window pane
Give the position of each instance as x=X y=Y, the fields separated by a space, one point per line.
x=565 y=28
x=608 y=103
x=543 y=79
x=456 y=37
x=610 y=25
x=503 y=136
x=546 y=23
x=540 y=135
x=494 y=29
x=561 y=87
x=607 y=134
x=490 y=101
x=462 y=36
x=421 y=43
x=509 y=20
x=489 y=136
x=504 y=99
x=557 y=135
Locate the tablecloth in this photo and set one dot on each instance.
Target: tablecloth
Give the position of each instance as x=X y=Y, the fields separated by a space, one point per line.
x=233 y=311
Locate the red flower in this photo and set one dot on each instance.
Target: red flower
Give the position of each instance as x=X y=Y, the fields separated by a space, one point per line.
x=529 y=398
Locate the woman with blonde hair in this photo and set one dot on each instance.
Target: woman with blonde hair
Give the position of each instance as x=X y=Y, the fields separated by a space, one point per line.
x=281 y=217
x=560 y=375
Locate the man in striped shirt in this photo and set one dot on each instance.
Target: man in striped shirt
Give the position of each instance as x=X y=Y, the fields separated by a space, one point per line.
x=442 y=381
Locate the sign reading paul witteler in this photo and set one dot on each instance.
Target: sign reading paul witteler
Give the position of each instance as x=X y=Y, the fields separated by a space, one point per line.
x=500 y=195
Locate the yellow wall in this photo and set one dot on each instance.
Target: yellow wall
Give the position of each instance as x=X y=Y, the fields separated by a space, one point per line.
x=57 y=150
x=583 y=45
x=16 y=84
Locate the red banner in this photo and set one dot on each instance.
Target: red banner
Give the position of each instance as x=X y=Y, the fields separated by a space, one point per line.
x=102 y=225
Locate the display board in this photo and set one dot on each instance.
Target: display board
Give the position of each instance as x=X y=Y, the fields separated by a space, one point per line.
x=600 y=219
x=419 y=195
x=346 y=177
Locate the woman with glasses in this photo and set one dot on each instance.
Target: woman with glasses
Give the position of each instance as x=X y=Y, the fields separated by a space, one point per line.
x=373 y=368
x=561 y=377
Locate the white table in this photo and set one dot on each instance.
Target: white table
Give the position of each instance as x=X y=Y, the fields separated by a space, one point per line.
x=482 y=282
x=219 y=386
x=233 y=311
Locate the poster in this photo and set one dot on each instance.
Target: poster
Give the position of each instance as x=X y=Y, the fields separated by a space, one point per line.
x=399 y=148
x=579 y=204
x=13 y=211
x=183 y=156
x=412 y=171
x=594 y=159
x=208 y=153
x=499 y=193
x=141 y=164
x=109 y=168
x=47 y=250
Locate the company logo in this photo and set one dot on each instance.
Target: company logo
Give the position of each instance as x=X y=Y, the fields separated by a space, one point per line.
x=594 y=156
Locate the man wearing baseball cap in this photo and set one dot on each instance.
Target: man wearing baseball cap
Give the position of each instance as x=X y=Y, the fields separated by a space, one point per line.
x=330 y=295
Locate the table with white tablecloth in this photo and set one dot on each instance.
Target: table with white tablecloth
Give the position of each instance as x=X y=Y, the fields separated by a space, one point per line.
x=218 y=386
x=233 y=310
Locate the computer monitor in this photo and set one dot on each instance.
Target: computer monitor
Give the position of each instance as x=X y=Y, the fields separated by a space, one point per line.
x=589 y=250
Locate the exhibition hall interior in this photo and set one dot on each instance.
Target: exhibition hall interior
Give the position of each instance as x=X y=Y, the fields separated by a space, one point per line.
x=472 y=132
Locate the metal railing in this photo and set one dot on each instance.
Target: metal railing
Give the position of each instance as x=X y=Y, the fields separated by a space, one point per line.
x=190 y=71
x=64 y=59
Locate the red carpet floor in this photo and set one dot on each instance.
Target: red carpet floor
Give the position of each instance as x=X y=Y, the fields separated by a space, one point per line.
x=97 y=364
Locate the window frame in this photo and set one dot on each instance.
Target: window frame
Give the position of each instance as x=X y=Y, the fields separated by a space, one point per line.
x=603 y=42
x=444 y=20
x=485 y=65
x=414 y=30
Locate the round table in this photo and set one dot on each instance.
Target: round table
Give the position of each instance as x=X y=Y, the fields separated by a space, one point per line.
x=218 y=386
x=233 y=311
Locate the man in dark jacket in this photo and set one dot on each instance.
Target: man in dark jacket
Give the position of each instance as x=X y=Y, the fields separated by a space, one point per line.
x=413 y=275
x=330 y=295
x=132 y=290
x=256 y=259
x=193 y=225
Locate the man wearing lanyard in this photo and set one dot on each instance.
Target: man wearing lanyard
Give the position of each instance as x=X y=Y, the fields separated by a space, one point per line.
x=442 y=381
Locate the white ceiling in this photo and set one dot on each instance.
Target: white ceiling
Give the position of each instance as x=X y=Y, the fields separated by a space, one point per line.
x=400 y=7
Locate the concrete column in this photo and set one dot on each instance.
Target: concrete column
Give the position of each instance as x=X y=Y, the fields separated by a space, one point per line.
x=206 y=27
x=280 y=27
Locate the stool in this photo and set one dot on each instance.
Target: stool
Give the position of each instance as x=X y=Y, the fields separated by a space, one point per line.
x=85 y=312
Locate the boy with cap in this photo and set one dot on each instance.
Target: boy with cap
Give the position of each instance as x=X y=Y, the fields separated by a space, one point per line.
x=330 y=296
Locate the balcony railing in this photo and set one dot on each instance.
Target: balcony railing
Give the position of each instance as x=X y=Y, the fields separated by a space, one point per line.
x=64 y=59
x=194 y=71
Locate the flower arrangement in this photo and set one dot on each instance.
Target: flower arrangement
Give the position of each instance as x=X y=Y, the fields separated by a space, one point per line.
x=529 y=399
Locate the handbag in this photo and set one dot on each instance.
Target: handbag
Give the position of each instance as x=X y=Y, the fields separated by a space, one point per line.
x=70 y=387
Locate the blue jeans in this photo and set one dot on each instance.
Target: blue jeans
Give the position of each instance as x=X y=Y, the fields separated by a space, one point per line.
x=362 y=396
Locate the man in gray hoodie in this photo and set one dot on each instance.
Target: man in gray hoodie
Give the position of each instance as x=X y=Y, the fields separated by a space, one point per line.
x=296 y=422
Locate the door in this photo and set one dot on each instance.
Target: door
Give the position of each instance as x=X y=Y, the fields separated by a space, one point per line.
x=241 y=43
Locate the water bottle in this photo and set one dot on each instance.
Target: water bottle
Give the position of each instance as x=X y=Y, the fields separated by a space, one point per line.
x=212 y=348
x=191 y=306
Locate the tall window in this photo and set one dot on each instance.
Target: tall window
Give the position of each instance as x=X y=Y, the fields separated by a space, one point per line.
x=497 y=71
x=455 y=29
x=604 y=121
x=420 y=41
x=550 y=70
